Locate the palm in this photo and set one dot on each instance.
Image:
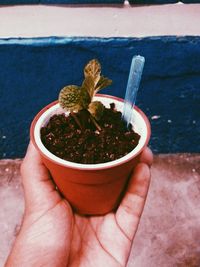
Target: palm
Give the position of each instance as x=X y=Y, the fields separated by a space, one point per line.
x=94 y=240
x=98 y=240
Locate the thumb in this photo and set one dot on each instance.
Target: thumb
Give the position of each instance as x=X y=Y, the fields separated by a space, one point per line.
x=38 y=187
x=132 y=204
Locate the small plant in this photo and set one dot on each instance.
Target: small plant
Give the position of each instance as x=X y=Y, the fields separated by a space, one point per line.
x=75 y=98
x=90 y=133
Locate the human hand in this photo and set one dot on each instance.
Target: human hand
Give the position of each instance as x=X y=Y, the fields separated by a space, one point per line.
x=52 y=235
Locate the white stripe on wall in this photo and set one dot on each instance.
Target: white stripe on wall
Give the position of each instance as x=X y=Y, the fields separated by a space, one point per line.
x=99 y=21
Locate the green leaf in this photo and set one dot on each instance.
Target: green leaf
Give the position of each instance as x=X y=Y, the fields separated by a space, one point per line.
x=88 y=85
x=93 y=69
x=70 y=98
x=85 y=98
x=74 y=98
x=103 y=82
x=96 y=109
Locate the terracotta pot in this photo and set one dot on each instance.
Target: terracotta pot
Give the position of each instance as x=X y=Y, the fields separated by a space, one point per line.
x=92 y=189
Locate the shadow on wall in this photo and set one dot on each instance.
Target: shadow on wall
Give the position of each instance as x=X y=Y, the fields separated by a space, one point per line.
x=34 y=70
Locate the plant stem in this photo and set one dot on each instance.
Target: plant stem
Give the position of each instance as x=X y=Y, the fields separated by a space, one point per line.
x=76 y=120
x=95 y=123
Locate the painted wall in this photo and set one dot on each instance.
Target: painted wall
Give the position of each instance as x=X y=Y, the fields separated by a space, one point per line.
x=18 y=2
x=99 y=21
x=34 y=70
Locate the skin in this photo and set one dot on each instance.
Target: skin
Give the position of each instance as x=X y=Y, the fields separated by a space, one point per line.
x=53 y=235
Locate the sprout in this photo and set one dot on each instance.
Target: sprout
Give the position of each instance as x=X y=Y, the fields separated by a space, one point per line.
x=96 y=109
x=75 y=98
x=94 y=82
x=93 y=70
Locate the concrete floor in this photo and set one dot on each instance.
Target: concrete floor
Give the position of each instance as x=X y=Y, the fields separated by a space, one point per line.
x=169 y=232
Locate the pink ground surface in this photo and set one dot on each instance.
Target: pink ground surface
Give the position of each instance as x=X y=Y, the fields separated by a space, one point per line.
x=169 y=232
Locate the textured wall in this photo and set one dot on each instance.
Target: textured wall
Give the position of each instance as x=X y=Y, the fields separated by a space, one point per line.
x=18 y=2
x=152 y=2
x=34 y=70
x=191 y=1
x=81 y=1
x=141 y=2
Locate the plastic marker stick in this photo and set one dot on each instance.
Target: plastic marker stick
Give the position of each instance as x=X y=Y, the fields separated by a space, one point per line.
x=133 y=84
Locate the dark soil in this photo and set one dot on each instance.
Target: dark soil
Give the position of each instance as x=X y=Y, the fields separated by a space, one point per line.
x=66 y=137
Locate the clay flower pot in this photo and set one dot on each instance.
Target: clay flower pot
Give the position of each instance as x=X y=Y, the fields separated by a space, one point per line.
x=92 y=189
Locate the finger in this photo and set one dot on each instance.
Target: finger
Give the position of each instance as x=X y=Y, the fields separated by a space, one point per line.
x=146 y=156
x=33 y=167
x=36 y=179
x=130 y=210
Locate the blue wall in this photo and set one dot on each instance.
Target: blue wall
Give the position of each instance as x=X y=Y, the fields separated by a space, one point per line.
x=152 y=2
x=19 y=2
x=32 y=72
x=81 y=1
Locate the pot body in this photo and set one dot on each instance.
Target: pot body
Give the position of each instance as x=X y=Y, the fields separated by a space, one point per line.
x=99 y=195
x=90 y=189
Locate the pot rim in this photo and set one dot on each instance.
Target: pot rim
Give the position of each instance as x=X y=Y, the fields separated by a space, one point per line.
x=100 y=166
